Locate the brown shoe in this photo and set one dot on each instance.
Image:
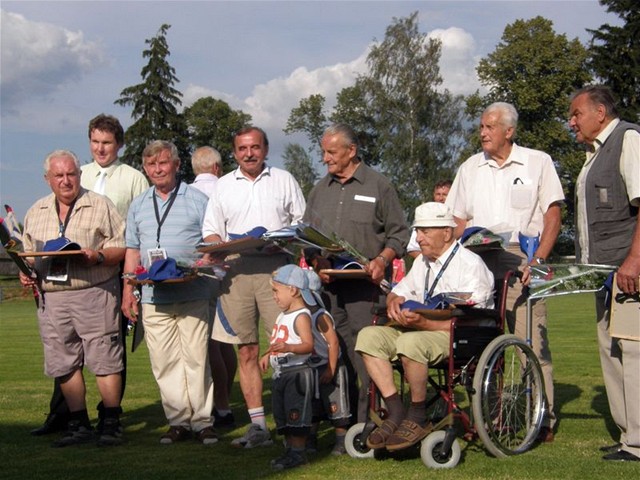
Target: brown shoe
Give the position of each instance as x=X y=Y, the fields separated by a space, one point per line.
x=378 y=438
x=408 y=433
x=174 y=435
x=545 y=435
x=207 y=436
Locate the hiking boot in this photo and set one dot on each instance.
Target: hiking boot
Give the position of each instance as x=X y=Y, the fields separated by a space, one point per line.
x=290 y=459
x=255 y=437
x=174 y=435
x=408 y=433
x=226 y=421
x=207 y=436
x=76 y=434
x=110 y=433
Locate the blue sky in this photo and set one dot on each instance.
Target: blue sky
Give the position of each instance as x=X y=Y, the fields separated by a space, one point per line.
x=64 y=62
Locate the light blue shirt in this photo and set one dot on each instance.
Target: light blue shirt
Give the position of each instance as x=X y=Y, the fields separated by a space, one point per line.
x=179 y=236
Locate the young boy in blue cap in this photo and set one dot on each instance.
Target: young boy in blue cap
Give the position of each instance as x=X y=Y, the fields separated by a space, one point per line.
x=290 y=347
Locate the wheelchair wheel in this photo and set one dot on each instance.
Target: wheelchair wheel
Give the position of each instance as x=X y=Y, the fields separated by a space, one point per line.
x=508 y=402
x=354 y=442
x=431 y=455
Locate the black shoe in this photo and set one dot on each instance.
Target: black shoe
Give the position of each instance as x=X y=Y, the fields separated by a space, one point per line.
x=76 y=434
x=110 y=433
x=228 y=421
x=621 y=456
x=611 y=448
x=54 y=423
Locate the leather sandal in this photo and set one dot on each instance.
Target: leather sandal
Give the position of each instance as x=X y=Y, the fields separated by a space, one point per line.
x=378 y=438
x=408 y=433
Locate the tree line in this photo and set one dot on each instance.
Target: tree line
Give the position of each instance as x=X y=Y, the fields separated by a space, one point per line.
x=411 y=128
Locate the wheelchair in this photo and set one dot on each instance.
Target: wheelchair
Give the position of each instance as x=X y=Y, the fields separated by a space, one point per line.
x=503 y=381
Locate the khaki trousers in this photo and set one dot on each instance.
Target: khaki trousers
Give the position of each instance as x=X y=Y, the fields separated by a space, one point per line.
x=177 y=336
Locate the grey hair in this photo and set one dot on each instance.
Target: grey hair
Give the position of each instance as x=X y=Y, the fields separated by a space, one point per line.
x=599 y=95
x=154 y=147
x=60 y=153
x=508 y=113
x=347 y=133
x=204 y=158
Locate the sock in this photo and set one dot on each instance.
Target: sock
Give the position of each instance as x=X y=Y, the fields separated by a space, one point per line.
x=223 y=413
x=112 y=412
x=257 y=416
x=340 y=439
x=418 y=413
x=395 y=408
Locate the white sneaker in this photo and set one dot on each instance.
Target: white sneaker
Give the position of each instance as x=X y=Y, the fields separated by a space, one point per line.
x=255 y=437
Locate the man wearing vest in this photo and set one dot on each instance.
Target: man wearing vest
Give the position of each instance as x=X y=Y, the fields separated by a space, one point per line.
x=607 y=200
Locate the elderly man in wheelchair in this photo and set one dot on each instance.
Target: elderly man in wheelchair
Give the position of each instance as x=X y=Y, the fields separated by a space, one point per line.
x=445 y=266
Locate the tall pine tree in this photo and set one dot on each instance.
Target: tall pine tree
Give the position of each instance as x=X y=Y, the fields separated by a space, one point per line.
x=155 y=104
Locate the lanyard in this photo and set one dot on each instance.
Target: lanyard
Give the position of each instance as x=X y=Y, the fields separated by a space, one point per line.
x=62 y=226
x=160 y=221
x=427 y=296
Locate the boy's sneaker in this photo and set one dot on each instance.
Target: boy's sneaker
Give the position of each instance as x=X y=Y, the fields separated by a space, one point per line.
x=290 y=459
x=226 y=421
x=255 y=437
x=174 y=435
x=110 y=433
x=76 y=434
x=338 y=450
x=311 y=445
x=207 y=436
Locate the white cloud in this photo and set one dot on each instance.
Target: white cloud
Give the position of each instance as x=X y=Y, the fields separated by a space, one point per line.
x=458 y=60
x=38 y=58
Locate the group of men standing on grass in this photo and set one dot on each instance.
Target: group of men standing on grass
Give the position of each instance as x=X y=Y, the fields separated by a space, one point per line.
x=506 y=188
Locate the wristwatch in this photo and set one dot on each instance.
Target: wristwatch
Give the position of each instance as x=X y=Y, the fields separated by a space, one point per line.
x=100 y=258
x=539 y=260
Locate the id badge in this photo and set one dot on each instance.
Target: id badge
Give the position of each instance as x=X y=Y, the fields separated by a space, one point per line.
x=155 y=254
x=58 y=270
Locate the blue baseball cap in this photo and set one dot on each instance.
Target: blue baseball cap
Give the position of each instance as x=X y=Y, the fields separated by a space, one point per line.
x=295 y=276
x=315 y=285
x=60 y=244
x=160 y=270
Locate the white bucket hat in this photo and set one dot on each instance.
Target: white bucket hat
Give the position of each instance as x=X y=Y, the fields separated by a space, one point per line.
x=433 y=214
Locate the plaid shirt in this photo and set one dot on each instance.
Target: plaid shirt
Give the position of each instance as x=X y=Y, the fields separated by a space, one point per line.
x=94 y=224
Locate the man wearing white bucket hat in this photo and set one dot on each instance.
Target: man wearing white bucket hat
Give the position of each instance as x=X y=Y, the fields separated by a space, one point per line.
x=443 y=266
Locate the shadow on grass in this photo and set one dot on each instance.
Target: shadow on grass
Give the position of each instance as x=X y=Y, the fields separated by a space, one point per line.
x=600 y=403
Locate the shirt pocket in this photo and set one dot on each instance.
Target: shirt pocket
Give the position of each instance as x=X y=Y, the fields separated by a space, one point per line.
x=521 y=196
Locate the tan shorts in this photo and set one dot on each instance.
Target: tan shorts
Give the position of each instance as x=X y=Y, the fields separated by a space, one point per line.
x=245 y=297
x=388 y=342
x=81 y=327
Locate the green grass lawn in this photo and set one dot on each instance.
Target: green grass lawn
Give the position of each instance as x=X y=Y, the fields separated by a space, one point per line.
x=584 y=422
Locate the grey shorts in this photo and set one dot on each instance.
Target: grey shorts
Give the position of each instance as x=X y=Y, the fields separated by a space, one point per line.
x=292 y=394
x=79 y=327
x=332 y=399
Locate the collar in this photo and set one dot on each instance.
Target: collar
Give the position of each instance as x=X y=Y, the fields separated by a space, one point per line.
x=110 y=169
x=205 y=177
x=152 y=191
x=442 y=258
x=514 y=157
x=82 y=200
x=359 y=175
x=604 y=134
x=238 y=175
